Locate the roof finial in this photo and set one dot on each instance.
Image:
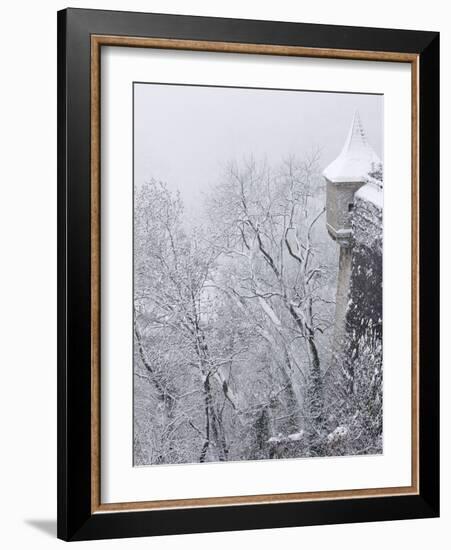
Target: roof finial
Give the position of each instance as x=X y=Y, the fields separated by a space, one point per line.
x=358 y=133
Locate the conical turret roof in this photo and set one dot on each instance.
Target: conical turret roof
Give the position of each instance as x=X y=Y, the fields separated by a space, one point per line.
x=356 y=159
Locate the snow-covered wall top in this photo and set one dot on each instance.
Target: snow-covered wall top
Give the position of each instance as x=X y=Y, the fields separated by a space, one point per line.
x=367 y=217
x=372 y=192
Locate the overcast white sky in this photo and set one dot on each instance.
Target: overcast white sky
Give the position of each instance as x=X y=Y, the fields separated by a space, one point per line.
x=185 y=135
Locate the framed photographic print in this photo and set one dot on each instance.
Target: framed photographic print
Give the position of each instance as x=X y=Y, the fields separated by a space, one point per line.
x=248 y=274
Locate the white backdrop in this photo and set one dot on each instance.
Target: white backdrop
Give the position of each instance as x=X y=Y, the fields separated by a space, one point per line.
x=28 y=273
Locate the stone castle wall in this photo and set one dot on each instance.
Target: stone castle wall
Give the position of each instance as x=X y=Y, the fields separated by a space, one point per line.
x=358 y=312
x=364 y=307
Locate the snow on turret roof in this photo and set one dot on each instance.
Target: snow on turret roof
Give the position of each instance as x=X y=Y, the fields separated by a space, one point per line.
x=356 y=159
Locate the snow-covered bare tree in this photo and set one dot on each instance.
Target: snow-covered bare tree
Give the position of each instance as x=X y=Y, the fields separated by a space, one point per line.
x=178 y=342
x=268 y=228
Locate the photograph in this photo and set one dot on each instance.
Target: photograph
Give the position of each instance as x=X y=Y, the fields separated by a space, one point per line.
x=257 y=274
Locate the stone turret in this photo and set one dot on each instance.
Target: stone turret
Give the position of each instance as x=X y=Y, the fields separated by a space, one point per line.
x=354 y=221
x=344 y=176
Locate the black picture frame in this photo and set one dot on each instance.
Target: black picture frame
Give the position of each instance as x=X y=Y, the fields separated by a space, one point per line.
x=76 y=521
